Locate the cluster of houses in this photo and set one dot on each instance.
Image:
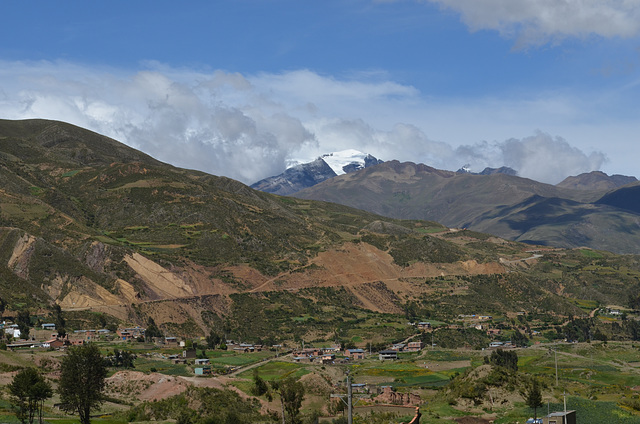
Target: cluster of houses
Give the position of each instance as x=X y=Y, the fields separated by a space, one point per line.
x=327 y=355
x=51 y=338
x=202 y=366
x=392 y=353
x=46 y=336
x=324 y=355
x=243 y=347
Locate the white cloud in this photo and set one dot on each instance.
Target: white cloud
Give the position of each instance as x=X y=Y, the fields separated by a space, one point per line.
x=250 y=127
x=540 y=21
x=540 y=157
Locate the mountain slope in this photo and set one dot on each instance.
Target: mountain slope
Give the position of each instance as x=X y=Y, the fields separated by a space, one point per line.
x=296 y=178
x=504 y=205
x=91 y=223
x=626 y=198
x=109 y=234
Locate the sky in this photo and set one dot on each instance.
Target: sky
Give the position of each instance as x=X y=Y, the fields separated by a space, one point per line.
x=245 y=88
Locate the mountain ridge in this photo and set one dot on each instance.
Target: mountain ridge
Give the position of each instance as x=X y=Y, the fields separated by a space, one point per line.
x=416 y=191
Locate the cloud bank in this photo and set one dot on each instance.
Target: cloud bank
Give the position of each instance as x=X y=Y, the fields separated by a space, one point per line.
x=535 y=22
x=249 y=127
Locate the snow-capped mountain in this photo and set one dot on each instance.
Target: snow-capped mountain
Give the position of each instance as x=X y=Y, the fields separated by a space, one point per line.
x=347 y=161
x=305 y=175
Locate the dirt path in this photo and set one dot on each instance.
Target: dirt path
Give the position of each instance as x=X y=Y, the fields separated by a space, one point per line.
x=534 y=256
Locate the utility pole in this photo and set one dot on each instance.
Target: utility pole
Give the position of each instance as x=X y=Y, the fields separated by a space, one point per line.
x=349 y=398
x=555 y=355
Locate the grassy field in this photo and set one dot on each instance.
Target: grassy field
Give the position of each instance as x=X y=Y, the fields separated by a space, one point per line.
x=274 y=370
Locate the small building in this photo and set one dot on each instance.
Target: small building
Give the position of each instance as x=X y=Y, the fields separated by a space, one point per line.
x=189 y=353
x=354 y=354
x=124 y=334
x=309 y=352
x=171 y=341
x=568 y=417
x=178 y=361
x=55 y=343
x=203 y=361
x=244 y=348
x=388 y=354
x=13 y=331
x=203 y=370
x=130 y=333
x=49 y=326
x=414 y=346
x=399 y=347
x=423 y=326
x=21 y=344
x=328 y=358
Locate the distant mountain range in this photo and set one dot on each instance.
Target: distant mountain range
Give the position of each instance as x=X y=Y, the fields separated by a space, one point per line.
x=592 y=209
x=305 y=175
x=489 y=171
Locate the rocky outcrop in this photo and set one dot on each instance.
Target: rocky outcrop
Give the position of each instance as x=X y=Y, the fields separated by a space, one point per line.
x=392 y=397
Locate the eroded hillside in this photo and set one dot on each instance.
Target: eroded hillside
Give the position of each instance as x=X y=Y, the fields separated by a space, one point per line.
x=96 y=227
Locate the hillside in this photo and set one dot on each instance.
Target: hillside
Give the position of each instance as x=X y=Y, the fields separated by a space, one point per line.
x=111 y=234
x=504 y=205
x=596 y=180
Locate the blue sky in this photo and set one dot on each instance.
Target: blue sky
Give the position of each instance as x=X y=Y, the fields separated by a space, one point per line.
x=242 y=88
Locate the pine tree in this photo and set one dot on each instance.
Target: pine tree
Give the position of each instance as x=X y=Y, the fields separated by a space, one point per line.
x=534 y=397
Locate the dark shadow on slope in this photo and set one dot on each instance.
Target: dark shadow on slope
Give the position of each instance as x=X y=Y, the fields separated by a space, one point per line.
x=537 y=210
x=627 y=198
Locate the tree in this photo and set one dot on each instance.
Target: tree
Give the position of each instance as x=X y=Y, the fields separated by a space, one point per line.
x=152 y=330
x=260 y=387
x=291 y=394
x=29 y=390
x=121 y=359
x=503 y=358
x=82 y=374
x=534 y=397
x=24 y=323
x=213 y=339
x=59 y=321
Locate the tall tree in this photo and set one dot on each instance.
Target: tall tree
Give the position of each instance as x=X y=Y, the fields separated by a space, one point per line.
x=534 y=397
x=291 y=393
x=152 y=330
x=82 y=374
x=24 y=323
x=213 y=339
x=59 y=321
x=29 y=390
